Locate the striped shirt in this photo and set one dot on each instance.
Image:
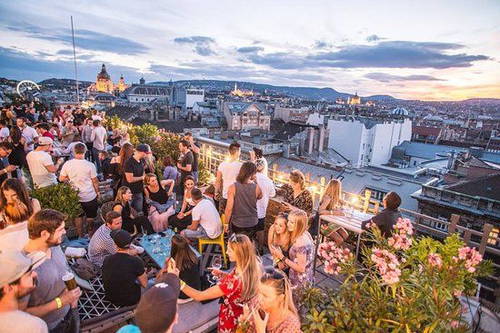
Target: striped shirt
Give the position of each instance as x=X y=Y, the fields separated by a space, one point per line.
x=101 y=245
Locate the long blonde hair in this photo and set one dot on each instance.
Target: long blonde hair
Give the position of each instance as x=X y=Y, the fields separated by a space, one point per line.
x=333 y=190
x=248 y=265
x=119 y=194
x=278 y=280
x=275 y=236
x=301 y=225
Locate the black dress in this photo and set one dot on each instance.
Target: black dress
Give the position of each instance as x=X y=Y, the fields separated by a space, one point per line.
x=18 y=158
x=141 y=223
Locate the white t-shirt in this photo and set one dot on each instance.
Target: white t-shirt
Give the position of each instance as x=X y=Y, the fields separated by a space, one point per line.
x=268 y=191
x=80 y=174
x=37 y=160
x=14 y=237
x=4 y=133
x=229 y=171
x=98 y=135
x=19 y=321
x=209 y=218
x=29 y=134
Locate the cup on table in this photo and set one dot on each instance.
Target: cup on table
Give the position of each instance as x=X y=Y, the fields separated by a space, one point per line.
x=69 y=281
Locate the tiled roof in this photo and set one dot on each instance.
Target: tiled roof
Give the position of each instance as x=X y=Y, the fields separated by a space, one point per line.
x=486 y=187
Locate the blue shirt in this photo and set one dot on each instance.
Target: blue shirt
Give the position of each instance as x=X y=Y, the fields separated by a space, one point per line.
x=129 y=329
x=170 y=172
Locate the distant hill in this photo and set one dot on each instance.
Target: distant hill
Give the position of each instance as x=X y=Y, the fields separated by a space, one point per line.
x=301 y=92
x=63 y=82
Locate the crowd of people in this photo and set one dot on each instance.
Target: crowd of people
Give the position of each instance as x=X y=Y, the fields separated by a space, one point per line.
x=74 y=146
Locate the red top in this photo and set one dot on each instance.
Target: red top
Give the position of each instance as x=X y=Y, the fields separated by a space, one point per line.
x=49 y=135
x=229 y=310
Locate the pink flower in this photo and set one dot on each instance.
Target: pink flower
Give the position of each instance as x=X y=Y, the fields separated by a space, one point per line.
x=387 y=265
x=457 y=293
x=333 y=256
x=435 y=260
x=471 y=257
x=454 y=324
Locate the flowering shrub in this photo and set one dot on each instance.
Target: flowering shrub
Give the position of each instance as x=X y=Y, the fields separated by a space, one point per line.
x=402 y=284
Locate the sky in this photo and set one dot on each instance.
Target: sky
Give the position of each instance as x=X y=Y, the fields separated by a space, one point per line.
x=426 y=49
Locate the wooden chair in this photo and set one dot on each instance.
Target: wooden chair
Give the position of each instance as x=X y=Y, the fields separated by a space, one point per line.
x=216 y=241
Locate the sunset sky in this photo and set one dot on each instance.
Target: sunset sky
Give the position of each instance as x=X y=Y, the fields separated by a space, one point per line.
x=432 y=50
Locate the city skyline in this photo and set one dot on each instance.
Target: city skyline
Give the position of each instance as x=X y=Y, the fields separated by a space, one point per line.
x=431 y=51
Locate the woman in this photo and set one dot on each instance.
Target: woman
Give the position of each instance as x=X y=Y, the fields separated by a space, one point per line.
x=170 y=171
x=275 y=296
x=184 y=218
x=237 y=287
x=157 y=197
x=242 y=196
x=279 y=236
x=130 y=218
x=117 y=163
x=18 y=155
x=330 y=204
x=295 y=194
x=301 y=253
x=16 y=207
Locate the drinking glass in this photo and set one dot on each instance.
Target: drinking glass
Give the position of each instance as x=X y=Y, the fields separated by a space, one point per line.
x=216 y=264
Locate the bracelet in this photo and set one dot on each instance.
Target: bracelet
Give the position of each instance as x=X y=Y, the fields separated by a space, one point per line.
x=58 y=302
x=183 y=284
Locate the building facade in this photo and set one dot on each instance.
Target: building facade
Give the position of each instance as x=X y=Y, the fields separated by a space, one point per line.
x=246 y=116
x=366 y=141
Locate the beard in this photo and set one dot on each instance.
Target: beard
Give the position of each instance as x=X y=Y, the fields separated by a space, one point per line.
x=26 y=291
x=51 y=242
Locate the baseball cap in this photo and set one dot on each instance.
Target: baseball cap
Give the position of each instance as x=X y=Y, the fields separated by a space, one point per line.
x=157 y=308
x=45 y=141
x=143 y=148
x=15 y=264
x=121 y=238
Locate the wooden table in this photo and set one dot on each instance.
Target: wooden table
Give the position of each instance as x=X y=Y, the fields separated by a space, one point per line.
x=349 y=222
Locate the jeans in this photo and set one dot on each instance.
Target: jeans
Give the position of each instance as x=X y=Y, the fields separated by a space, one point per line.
x=97 y=161
x=138 y=202
x=195 y=176
x=198 y=233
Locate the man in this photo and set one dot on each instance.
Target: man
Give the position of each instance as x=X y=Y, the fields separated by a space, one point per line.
x=101 y=244
x=206 y=219
x=4 y=130
x=226 y=174
x=157 y=310
x=386 y=219
x=196 y=152
x=82 y=175
x=87 y=129
x=51 y=301
x=29 y=133
x=69 y=132
x=17 y=279
x=268 y=191
x=43 y=129
x=98 y=138
x=41 y=166
x=123 y=273
x=185 y=163
x=5 y=169
x=134 y=175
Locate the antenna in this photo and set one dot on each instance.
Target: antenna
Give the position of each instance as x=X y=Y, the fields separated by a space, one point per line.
x=74 y=59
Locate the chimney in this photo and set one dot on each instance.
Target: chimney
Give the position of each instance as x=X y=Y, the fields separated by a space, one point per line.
x=311 y=140
x=321 y=138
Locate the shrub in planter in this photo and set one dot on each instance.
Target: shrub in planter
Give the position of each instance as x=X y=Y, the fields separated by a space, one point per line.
x=61 y=197
x=403 y=284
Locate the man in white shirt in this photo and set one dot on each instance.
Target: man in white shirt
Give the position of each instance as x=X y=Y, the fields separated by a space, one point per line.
x=98 y=138
x=29 y=133
x=268 y=191
x=17 y=279
x=82 y=175
x=226 y=174
x=206 y=219
x=4 y=130
x=42 y=168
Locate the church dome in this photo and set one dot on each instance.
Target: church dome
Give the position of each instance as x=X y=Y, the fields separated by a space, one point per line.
x=103 y=75
x=399 y=111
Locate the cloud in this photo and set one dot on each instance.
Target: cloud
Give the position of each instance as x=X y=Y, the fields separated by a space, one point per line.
x=384 y=77
x=202 y=44
x=319 y=44
x=20 y=65
x=390 y=54
x=250 y=49
x=84 y=39
x=373 y=38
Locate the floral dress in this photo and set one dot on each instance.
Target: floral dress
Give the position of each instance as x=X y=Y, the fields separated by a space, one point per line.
x=302 y=245
x=302 y=201
x=230 y=311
